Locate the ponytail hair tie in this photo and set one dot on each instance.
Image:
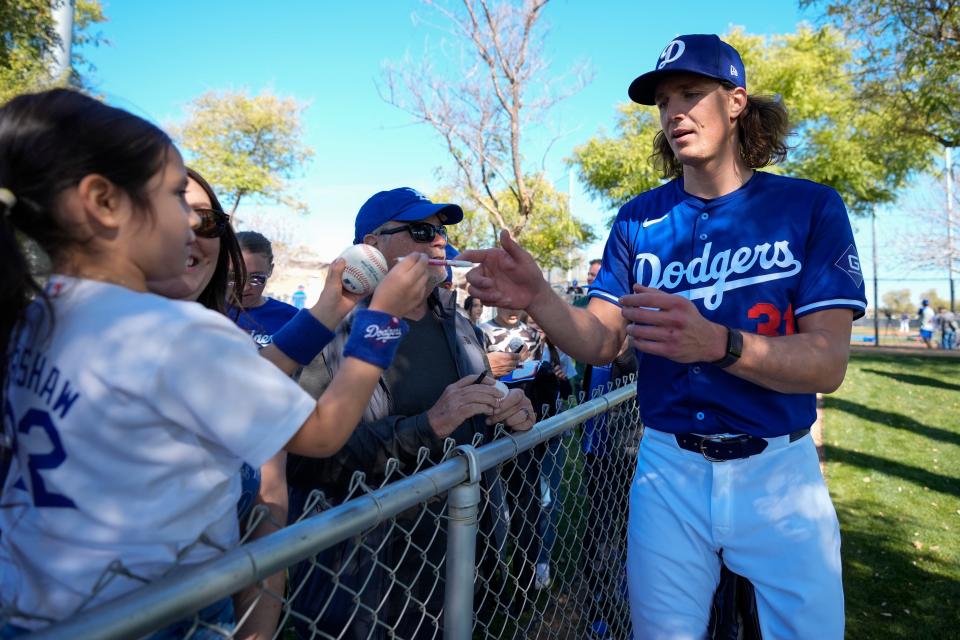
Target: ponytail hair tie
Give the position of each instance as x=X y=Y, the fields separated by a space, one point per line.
x=8 y=200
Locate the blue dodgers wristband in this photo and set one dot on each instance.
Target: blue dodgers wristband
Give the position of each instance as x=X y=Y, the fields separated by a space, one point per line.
x=303 y=337
x=375 y=337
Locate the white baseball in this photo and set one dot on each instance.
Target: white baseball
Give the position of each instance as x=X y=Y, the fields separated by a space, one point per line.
x=502 y=388
x=366 y=267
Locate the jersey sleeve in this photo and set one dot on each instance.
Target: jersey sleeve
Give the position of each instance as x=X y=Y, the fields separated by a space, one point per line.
x=832 y=277
x=213 y=383
x=614 y=278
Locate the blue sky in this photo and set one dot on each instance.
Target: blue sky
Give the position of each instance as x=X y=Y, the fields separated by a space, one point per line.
x=330 y=55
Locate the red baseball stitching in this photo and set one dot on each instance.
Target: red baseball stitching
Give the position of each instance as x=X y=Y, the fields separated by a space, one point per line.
x=354 y=271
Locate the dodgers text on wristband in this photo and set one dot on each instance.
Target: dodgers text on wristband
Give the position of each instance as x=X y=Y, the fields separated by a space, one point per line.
x=375 y=337
x=303 y=337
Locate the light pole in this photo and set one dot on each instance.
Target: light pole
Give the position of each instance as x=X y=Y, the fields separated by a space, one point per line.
x=63 y=20
x=876 y=301
x=950 y=257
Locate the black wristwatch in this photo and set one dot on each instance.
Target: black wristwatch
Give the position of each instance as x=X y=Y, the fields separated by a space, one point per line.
x=734 y=349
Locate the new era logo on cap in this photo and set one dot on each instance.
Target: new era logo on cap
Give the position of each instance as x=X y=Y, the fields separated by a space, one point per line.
x=703 y=54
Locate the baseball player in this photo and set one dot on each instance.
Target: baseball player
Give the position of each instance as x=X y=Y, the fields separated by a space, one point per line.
x=739 y=289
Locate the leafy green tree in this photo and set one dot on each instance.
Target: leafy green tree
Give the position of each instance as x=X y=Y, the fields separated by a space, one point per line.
x=837 y=140
x=30 y=39
x=909 y=55
x=898 y=301
x=615 y=169
x=246 y=146
x=552 y=236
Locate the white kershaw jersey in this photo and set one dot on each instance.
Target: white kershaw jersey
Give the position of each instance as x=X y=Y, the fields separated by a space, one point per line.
x=131 y=421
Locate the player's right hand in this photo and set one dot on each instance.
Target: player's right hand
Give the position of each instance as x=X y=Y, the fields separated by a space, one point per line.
x=462 y=400
x=507 y=276
x=404 y=288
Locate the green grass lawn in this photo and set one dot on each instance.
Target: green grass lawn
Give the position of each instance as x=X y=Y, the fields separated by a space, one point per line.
x=892 y=440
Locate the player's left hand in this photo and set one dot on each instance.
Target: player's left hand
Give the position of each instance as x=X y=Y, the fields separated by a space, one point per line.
x=668 y=325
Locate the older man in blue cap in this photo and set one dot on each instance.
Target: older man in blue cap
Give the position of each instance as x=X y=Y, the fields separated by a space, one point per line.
x=434 y=389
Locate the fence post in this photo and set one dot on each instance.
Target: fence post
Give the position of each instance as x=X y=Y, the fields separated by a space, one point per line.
x=462 y=514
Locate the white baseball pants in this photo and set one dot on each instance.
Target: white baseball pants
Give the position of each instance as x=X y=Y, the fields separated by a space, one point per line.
x=771 y=517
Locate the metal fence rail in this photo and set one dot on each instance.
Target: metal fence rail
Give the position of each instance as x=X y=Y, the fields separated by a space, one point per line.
x=522 y=536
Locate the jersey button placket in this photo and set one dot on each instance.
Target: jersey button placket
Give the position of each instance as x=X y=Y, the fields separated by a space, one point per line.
x=699 y=224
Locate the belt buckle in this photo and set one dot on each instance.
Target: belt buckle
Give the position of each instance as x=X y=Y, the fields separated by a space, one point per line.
x=718 y=440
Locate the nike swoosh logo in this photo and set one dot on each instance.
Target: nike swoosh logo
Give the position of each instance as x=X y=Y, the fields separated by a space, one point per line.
x=647 y=223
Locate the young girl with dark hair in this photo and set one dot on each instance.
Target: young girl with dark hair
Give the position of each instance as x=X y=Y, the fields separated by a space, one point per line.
x=129 y=414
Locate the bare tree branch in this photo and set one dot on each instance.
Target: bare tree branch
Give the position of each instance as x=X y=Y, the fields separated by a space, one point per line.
x=480 y=108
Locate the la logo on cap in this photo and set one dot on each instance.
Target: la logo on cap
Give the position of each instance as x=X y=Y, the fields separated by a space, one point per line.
x=671 y=53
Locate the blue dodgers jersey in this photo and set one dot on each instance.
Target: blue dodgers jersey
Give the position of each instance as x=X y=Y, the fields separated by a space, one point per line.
x=264 y=321
x=756 y=259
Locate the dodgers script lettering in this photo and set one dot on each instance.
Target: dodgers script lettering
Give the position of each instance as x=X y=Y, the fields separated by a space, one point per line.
x=714 y=271
x=382 y=334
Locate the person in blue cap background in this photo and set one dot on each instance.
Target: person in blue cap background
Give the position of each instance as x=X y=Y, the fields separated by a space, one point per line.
x=738 y=288
x=439 y=386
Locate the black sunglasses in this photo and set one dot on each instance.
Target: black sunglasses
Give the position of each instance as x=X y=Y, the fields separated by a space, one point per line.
x=419 y=231
x=213 y=223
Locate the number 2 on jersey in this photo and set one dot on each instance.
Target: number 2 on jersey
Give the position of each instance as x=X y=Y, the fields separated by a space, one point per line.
x=37 y=462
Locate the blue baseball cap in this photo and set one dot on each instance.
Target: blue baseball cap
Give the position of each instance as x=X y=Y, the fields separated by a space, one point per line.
x=704 y=54
x=403 y=205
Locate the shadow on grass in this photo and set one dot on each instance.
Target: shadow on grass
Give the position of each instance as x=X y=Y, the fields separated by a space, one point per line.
x=910 y=378
x=882 y=581
x=921 y=477
x=891 y=419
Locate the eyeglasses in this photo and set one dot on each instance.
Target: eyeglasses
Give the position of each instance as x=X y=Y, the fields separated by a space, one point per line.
x=212 y=224
x=419 y=231
x=255 y=279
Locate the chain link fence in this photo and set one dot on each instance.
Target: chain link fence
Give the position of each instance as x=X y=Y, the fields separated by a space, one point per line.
x=523 y=536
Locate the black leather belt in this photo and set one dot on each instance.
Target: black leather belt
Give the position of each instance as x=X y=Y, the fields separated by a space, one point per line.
x=723 y=448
